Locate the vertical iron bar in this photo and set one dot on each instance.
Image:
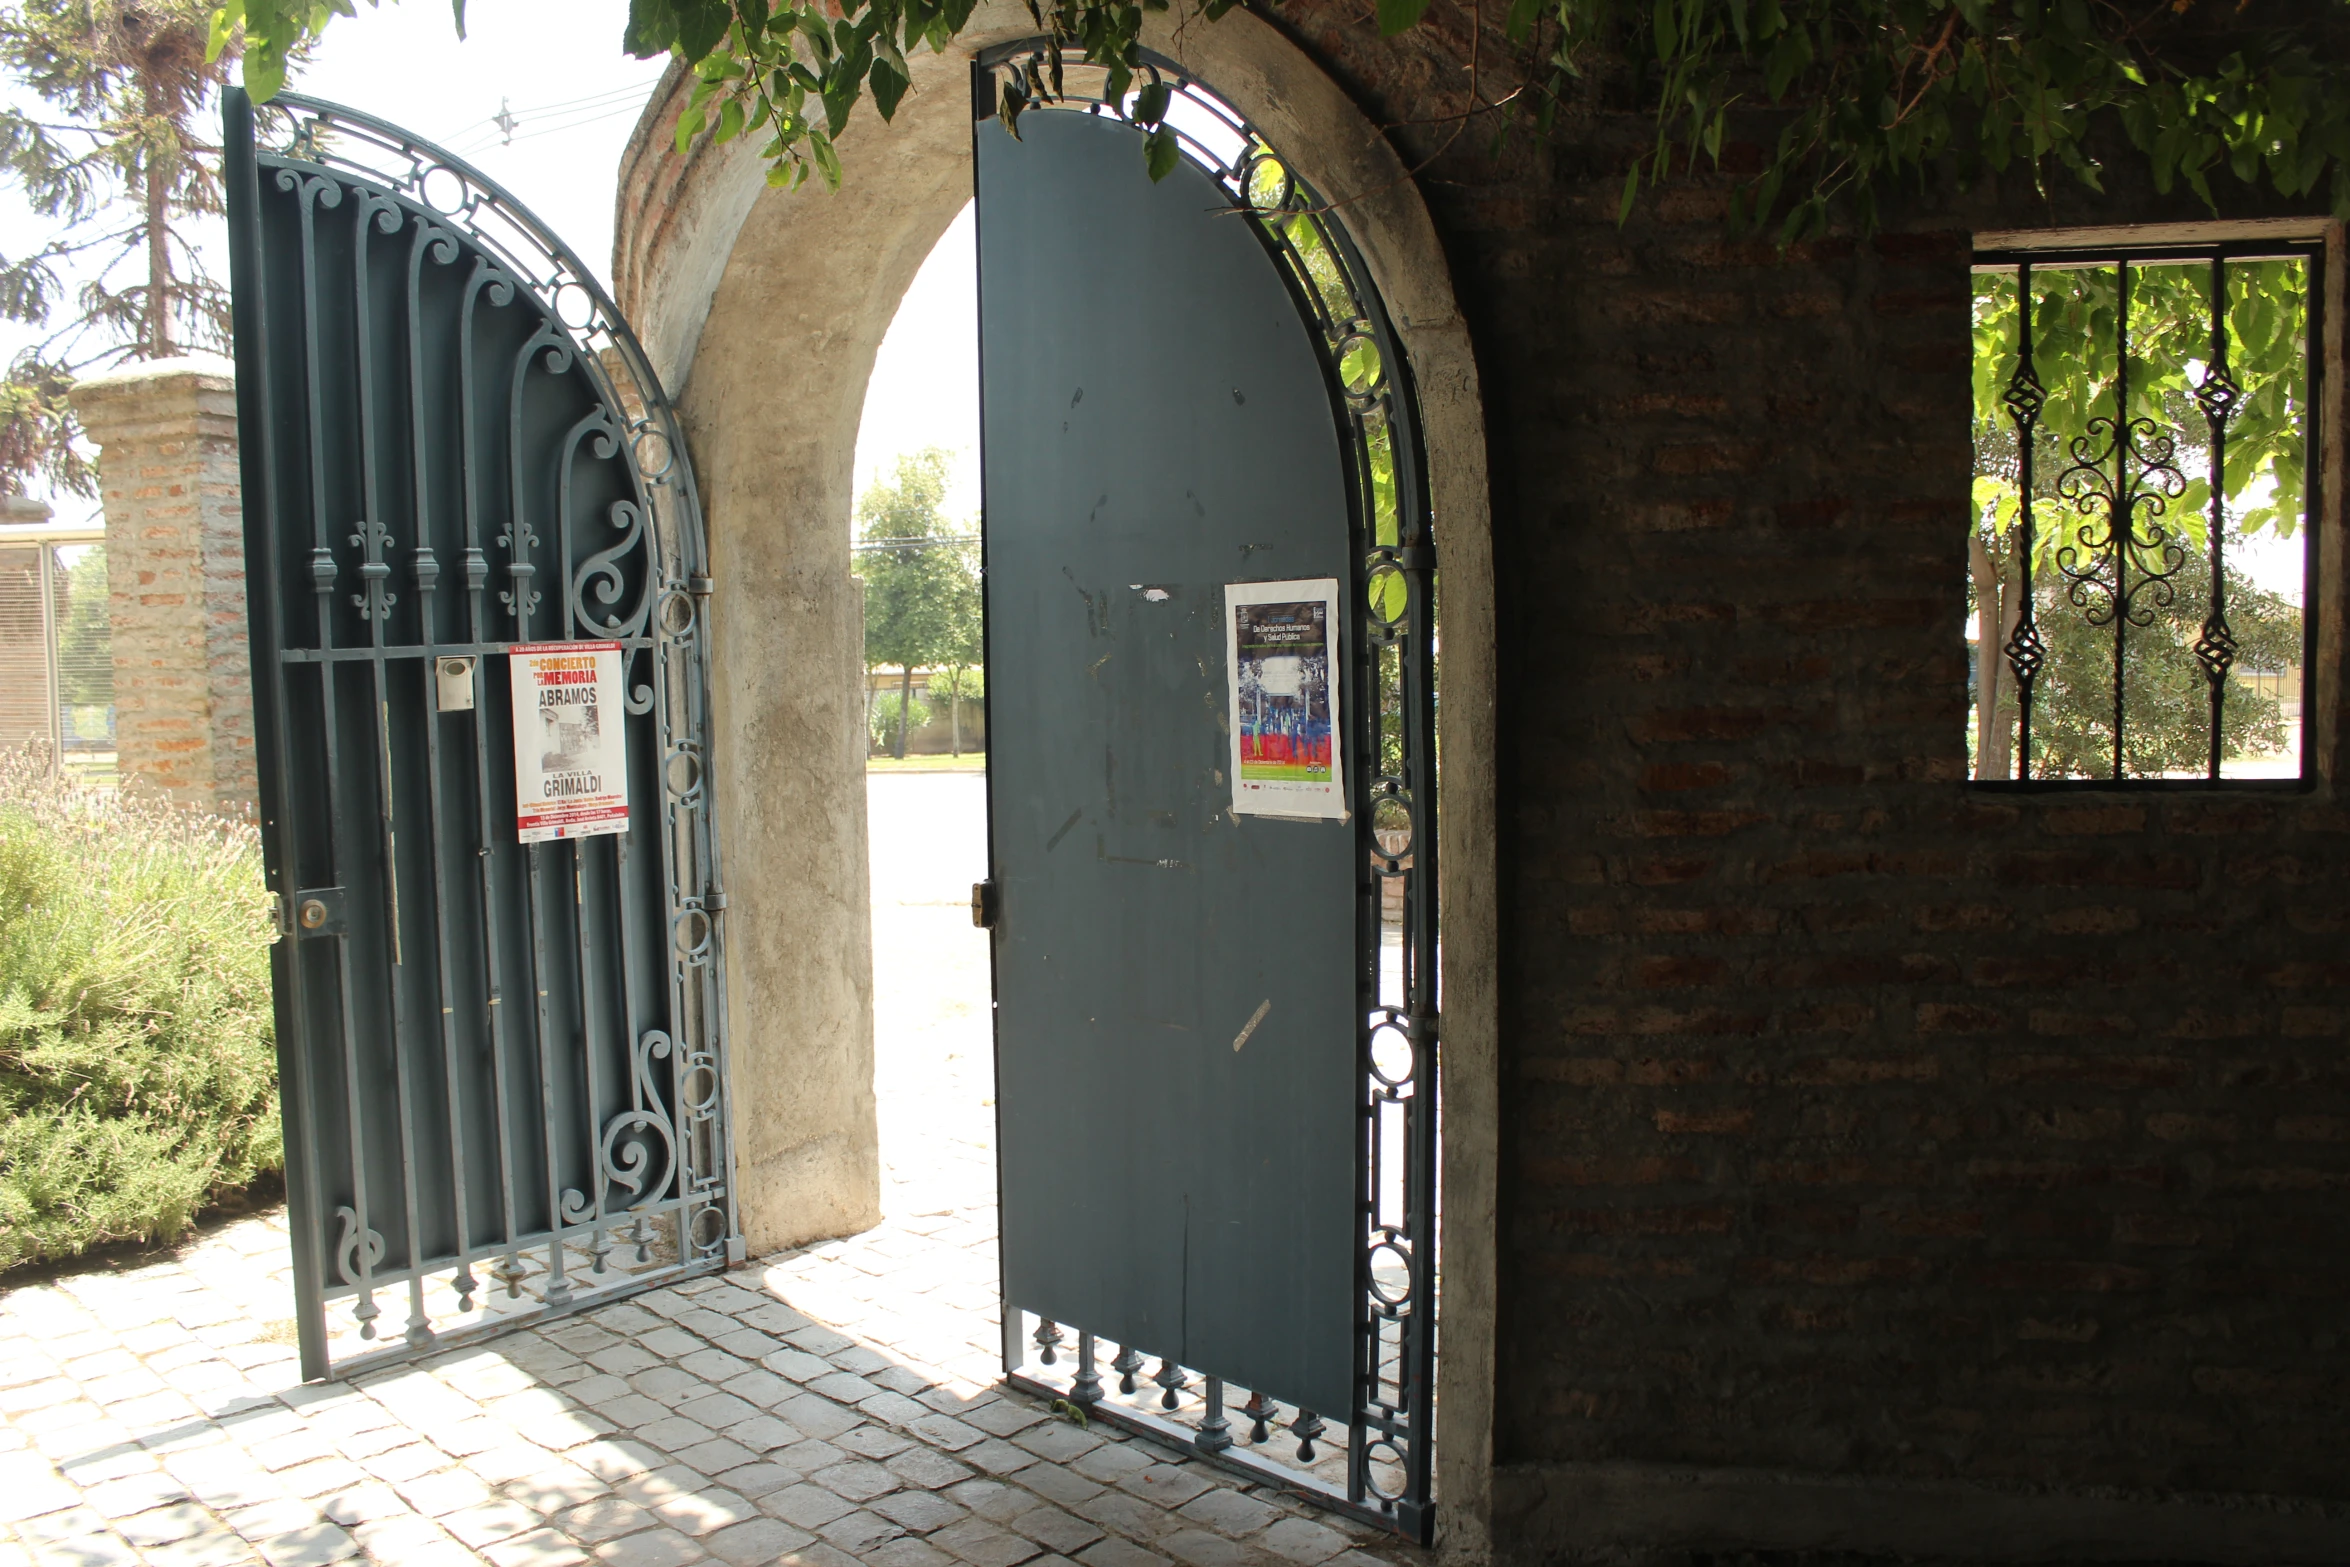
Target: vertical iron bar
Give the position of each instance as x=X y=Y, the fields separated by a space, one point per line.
x=558 y=1289
x=2122 y=524
x=359 y=1236
x=1171 y=1381
x=2313 y=391
x=598 y=1246
x=1215 y=1432
x=1126 y=1363
x=1085 y=1389
x=2216 y=669
x=426 y=573
x=266 y=612
x=521 y=571
x=630 y=1025
x=372 y=213
x=501 y=292
x=2023 y=650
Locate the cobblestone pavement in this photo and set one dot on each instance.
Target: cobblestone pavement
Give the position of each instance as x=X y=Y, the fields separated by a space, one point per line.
x=822 y=1406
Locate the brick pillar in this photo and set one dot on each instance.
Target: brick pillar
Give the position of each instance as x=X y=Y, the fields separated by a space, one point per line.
x=175 y=568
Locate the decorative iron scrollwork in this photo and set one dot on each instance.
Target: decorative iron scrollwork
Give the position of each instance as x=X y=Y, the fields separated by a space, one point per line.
x=2129 y=379
x=438 y=377
x=2122 y=486
x=374 y=597
x=600 y=577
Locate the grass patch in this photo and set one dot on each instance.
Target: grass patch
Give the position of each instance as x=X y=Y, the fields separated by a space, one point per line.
x=968 y=762
x=138 y=1067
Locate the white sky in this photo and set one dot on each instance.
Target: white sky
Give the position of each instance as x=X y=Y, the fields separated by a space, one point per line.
x=574 y=95
x=925 y=386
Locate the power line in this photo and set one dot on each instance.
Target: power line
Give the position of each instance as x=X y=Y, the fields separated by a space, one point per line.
x=501 y=128
x=591 y=100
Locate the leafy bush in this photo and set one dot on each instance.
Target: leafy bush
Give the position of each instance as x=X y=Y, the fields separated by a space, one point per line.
x=883 y=721
x=138 y=1070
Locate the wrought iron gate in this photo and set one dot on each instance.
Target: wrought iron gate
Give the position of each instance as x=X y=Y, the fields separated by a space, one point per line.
x=1215 y=1029
x=502 y=1065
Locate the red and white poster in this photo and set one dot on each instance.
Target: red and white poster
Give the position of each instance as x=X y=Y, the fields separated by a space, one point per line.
x=570 y=740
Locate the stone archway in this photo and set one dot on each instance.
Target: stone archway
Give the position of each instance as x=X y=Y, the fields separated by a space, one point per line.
x=762 y=311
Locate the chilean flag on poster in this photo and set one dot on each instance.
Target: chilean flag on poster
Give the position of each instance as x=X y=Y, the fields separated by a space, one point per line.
x=570 y=740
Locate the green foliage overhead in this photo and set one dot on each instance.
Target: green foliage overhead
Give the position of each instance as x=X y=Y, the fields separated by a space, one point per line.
x=2075 y=325
x=138 y=1073
x=1883 y=91
x=1878 y=92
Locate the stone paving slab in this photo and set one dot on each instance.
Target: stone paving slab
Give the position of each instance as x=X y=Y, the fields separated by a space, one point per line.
x=809 y=1409
x=835 y=1404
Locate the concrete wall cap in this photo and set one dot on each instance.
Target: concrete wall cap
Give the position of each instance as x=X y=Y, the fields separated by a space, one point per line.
x=142 y=374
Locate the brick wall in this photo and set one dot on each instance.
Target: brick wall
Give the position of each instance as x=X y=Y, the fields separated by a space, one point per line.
x=1856 y=1122
x=167 y=467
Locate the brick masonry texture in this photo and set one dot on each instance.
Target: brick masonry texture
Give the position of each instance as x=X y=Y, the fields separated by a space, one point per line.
x=167 y=434
x=1855 y=1121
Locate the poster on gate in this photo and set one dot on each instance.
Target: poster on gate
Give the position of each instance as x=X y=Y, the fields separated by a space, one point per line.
x=1281 y=651
x=570 y=733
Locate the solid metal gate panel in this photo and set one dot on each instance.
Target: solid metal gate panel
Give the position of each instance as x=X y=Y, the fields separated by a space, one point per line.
x=1160 y=1186
x=501 y=1063
x=1214 y=1057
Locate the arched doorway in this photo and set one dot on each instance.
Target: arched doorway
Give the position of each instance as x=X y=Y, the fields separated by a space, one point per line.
x=766 y=309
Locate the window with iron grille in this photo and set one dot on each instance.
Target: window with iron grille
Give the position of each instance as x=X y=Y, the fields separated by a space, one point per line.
x=2142 y=539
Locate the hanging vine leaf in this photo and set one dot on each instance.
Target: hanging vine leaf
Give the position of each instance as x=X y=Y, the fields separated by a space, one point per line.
x=1871 y=95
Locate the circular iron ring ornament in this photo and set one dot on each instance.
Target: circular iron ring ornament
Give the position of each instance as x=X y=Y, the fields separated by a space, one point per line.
x=1373 y=398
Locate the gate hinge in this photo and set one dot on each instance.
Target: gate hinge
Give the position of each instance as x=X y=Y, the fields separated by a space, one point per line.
x=714 y=900
x=1421 y=1028
x=1413 y=557
x=983 y=904
x=279 y=930
x=701 y=587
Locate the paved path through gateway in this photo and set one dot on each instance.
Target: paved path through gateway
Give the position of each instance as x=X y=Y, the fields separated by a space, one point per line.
x=828 y=1405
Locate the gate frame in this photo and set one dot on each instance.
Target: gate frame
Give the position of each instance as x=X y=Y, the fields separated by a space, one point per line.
x=626 y=376
x=726 y=280
x=1387 y=399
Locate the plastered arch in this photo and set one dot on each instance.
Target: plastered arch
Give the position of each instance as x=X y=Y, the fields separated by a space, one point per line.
x=763 y=310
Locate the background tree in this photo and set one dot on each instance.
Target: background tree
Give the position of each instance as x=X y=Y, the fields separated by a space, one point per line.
x=119 y=157
x=2163 y=689
x=891 y=711
x=964 y=681
x=921 y=593
x=85 y=661
x=956 y=669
